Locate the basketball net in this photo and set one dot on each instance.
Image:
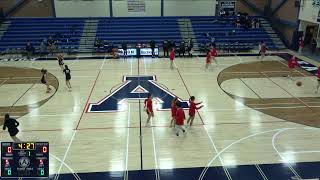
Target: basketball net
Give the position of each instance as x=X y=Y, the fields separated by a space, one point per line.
x=316 y=3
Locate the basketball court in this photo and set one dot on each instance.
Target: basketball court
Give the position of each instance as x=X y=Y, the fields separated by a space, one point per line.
x=256 y=123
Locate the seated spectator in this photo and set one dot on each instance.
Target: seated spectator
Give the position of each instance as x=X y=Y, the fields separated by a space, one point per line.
x=238 y=22
x=222 y=13
x=29 y=50
x=51 y=45
x=258 y=23
x=98 y=43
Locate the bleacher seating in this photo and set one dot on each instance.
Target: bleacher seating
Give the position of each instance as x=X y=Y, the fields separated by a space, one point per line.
x=143 y=30
x=34 y=30
x=226 y=35
x=131 y=30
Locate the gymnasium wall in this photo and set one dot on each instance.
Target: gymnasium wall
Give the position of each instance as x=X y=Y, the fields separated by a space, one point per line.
x=287 y=12
x=308 y=12
x=120 y=9
x=81 y=8
x=100 y=8
x=189 y=7
x=30 y=8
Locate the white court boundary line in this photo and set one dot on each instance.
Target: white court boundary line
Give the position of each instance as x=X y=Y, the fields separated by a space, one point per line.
x=211 y=140
x=282 y=158
x=242 y=139
x=65 y=155
x=66 y=165
x=153 y=139
x=126 y=173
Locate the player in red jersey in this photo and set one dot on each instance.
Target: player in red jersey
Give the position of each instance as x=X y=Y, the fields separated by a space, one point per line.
x=172 y=57
x=192 y=109
x=208 y=59
x=213 y=52
x=180 y=117
x=148 y=108
x=301 y=45
x=318 y=78
x=173 y=110
x=292 y=63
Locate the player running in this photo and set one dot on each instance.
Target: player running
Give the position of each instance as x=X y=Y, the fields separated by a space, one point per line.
x=171 y=56
x=208 y=60
x=214 y=53
x=292 y=63
x=148 y=108
x=192 y=109
x=12 y=125
x=180 y=117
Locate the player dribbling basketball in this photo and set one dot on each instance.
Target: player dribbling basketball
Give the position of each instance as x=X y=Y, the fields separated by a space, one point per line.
x=292 y=63
x=148 y=108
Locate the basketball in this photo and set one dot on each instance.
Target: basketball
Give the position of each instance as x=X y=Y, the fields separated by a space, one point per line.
x=299 y=83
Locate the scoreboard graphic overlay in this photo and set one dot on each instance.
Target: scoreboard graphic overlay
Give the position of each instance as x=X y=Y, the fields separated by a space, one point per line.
x=24 y=159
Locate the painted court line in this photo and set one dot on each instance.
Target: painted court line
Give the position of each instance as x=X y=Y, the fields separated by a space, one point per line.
x=261 y=172
x=283 y=158
x=126 y=172
x=86 y=105
x=211 y=140
x=76 y=176
x=157 y=172
x=250 y=88
x=65 y=156
x=287 y=91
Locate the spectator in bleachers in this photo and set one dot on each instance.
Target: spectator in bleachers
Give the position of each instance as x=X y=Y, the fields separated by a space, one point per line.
x=182 y=48
x=165 y=46
x=190 y=47
x=98 y=43
x=43 y=47
x=51 y=45
x=152 y=46
x=238 y=23
x=313 y=45
x=124 y=48
x=213 y=41
x=30 y=50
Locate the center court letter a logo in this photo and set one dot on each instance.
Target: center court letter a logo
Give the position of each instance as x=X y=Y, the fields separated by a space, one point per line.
x=135 y=87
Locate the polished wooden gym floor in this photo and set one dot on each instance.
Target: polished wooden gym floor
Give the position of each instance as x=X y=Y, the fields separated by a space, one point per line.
x=254 y=117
